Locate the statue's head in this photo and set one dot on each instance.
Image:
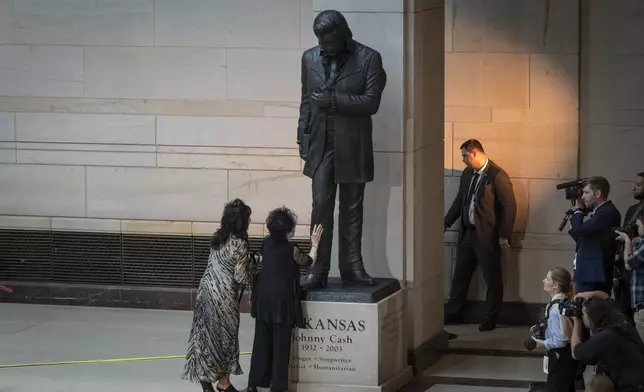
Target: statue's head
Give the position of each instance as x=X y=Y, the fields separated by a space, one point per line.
x=332 y=31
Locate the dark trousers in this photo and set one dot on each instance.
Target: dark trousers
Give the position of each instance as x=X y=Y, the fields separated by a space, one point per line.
x=270 y=358
x=470 y=253
x=350 y=217
x=561 y=370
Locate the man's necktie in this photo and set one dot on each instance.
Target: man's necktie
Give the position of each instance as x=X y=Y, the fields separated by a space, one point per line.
x=473 y=187
x=470 y=194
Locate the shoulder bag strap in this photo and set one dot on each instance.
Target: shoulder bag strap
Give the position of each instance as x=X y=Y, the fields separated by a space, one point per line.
x=549 y=307
x=636 y=214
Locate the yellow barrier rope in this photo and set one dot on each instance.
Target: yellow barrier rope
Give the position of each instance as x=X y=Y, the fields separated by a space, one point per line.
x=111 y=360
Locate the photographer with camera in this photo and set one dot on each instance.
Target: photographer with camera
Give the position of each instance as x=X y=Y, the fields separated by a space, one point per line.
x=614 y=344
x=634 y=262
x=555 y=332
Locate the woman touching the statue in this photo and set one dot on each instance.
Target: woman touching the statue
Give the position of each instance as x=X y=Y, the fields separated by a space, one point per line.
x=276 y=300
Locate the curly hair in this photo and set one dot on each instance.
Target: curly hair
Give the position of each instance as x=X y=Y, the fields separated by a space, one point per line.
x=280 y=222
x=234 y=221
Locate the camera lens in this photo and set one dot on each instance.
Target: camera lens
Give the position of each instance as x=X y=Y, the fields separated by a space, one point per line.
x=530 y=344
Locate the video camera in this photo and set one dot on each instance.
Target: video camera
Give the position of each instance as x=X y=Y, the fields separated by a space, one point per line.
x=572 y=191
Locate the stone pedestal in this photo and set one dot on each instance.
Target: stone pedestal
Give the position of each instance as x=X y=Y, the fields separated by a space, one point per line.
x=353 y=340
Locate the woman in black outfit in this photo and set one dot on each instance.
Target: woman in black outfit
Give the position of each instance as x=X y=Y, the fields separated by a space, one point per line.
x=276 y=302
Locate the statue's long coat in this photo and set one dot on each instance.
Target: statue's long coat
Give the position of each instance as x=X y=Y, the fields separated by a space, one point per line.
x=358 y=92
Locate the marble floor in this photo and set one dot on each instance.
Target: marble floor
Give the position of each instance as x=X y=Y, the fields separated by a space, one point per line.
x=484 y=362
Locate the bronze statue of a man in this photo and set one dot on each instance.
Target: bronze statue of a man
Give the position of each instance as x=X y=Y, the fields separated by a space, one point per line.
x=342 y=83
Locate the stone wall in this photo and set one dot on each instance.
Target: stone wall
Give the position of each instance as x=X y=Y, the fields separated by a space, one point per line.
x=512 y=82
x=131 y=114
x=612 y=94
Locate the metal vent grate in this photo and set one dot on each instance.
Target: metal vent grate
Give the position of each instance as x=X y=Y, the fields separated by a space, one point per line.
x=87 y=258
x=25 y=255
x=157 y=260
x=107 y=258
x=201 y=251
x=255 y=244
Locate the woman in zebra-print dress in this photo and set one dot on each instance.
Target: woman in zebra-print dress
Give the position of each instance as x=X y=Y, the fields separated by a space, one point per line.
x=213 y=349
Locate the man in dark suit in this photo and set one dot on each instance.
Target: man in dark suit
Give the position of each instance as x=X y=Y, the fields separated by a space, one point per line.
x=595 y=238
x=342 y=85
x=487 y=208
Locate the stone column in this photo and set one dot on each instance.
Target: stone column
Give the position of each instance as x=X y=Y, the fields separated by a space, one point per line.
x=403 y=236
x=423 y=180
